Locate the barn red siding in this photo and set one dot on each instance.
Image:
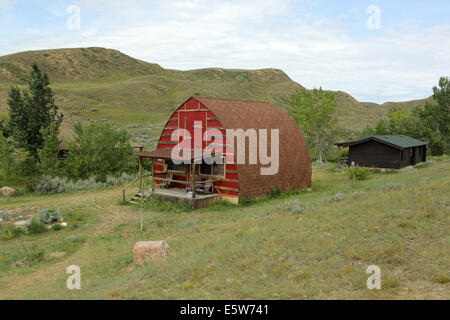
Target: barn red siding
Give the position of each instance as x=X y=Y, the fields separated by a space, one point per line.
x=184 y=117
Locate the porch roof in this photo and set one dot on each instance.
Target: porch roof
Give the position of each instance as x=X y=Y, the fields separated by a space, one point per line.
x=167 y=154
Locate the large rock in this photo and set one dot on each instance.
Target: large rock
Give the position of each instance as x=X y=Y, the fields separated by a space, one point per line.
x=20 y=223
x=148 y=251
x=7 y=191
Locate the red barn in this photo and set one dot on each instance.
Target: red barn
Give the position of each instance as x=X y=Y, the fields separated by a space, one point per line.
x=231 y=179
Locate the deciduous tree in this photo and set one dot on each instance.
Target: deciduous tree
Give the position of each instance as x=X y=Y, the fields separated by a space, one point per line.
x=314 y=112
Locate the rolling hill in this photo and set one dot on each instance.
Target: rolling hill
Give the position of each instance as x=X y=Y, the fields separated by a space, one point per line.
x=105 y=84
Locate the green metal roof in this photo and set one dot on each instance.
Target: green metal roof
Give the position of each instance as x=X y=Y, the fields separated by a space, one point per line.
x=397 y=140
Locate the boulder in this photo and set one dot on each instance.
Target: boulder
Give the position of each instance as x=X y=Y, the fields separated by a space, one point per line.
x=64 y=224
x=148 y=251
x=20 y=223
x=7 y=191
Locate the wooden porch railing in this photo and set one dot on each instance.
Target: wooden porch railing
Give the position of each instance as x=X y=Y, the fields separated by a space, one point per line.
x=123 y=190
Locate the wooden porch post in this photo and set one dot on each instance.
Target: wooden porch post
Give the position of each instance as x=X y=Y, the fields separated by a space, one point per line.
x=193 y=180
x=141 y=174
x=153 y=174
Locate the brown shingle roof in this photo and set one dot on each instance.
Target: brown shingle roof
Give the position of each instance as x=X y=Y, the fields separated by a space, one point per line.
x=295 y=163
x=135 y=145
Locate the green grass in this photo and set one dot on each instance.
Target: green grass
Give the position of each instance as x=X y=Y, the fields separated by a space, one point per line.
x=257 y=251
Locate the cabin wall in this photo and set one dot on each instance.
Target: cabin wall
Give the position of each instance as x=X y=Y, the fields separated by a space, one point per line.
x=405 y=157
x=375 y=154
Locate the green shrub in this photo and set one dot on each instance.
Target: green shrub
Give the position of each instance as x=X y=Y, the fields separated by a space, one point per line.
x=294 y=207
x=6 y=216
x=101 y=149
x=47 y=216
x=408 y=169
x=359 y=173
x=51 y=185
x=317 y=163
x=338 y=197
x=191 y=225
x=34 y=253
x=57 y=226
x=36 y=227
x=275 y=192
x=357 y=194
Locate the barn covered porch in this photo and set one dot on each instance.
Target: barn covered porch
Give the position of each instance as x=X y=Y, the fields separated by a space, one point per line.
x=178 y=182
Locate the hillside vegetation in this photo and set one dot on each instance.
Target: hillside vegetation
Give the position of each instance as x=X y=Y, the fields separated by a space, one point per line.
x=397 y=221
x=104 y=84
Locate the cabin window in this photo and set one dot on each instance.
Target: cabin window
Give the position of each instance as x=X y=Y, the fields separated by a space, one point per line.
x=217 y=170
x=403 y=154
x=176 y=167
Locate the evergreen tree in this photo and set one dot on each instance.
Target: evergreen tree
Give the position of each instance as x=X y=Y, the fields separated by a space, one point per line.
x=31 y=111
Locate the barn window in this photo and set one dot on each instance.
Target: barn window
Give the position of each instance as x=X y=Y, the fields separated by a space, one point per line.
x=176 y=167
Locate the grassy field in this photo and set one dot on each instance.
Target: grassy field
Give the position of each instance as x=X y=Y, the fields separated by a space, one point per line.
x=398 y=221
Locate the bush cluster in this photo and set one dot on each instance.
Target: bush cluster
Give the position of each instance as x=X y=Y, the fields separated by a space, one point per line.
x=50 y=185
x=358 y=173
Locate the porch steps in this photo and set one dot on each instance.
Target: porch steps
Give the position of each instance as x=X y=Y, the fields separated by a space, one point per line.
x=138 y=196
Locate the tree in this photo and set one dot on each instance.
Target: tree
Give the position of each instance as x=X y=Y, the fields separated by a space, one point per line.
x=31 y=111
x=314 y=113
x=430 y=123
x=48 y=155
x=6 y=160
x=3 y=129
x=428 y=128
x=99 y=149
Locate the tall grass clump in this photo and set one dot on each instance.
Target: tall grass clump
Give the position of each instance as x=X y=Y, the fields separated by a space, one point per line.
x=36 y=227
x=358 y=173
x=10 y=232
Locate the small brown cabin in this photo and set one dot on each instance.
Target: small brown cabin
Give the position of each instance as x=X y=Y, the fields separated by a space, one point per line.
x=390 y=152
